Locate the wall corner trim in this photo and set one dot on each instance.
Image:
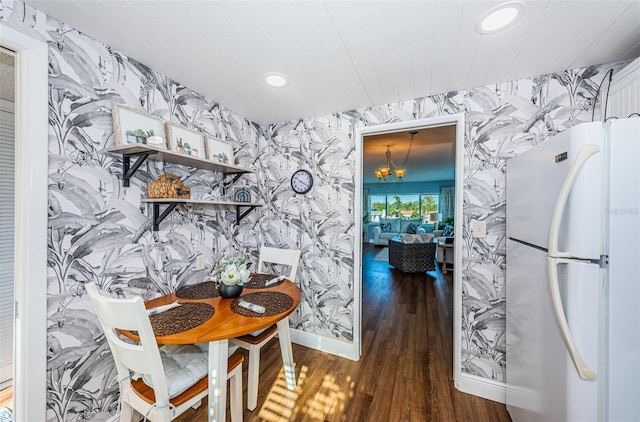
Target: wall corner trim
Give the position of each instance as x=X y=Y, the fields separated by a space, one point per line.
x=334 y=346
x=482 y=387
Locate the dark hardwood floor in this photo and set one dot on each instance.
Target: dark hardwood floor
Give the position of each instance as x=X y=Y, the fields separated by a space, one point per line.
x=405 y=372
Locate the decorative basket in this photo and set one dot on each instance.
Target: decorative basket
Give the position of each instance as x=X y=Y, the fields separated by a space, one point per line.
x=168 y=185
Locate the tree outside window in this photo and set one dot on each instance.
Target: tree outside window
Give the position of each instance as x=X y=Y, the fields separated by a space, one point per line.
x=407 y=206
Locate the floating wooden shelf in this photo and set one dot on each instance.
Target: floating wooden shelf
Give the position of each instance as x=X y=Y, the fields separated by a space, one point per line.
x=144 y=152
x=173 y=202
x=158 y=154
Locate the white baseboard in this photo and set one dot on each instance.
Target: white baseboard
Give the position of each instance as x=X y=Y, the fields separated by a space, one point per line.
x=326 y=344
x=482 y=387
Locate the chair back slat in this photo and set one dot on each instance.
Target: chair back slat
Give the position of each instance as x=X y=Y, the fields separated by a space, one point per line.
x=289 y=257
x=143 y=357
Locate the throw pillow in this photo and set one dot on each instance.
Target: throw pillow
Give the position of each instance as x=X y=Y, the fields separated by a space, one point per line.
x=386 y=227
x=447 y=231
x=413 y=227
x=421 y=230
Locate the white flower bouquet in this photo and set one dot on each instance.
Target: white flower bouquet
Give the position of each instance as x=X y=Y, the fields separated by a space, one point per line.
x=232 y=271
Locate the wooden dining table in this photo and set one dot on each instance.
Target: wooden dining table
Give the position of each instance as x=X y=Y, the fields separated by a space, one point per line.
x=226 y=324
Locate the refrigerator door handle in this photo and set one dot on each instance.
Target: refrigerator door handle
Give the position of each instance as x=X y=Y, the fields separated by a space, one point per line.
x=584 y=371
x=585 y=152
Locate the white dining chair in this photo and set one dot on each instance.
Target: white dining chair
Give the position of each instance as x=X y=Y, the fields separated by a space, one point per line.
x=253 y=342
x=152 y=392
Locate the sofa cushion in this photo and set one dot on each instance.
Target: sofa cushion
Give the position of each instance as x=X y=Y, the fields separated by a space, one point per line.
x=413 y=228
x=447 y=231
x=387 y=235
x=386 y=227
x=404 y=225
x=428 y=228
x=395 y=224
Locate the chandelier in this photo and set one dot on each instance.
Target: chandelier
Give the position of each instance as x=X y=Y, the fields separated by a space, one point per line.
x=384 y=173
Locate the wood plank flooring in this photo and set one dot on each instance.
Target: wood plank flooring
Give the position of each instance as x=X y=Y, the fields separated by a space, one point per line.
x=405 y=372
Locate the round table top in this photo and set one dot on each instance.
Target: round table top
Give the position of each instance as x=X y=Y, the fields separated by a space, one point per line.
x=224 y=323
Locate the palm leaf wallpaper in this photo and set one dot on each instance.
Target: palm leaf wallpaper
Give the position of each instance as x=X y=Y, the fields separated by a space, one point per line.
x=100 y=231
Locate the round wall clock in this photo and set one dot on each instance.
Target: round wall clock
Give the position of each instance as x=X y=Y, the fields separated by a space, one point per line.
x=301 y=181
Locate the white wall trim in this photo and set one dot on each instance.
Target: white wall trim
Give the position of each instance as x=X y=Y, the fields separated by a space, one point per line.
x=30 y=346
x=482 y=387
x=325 y=344
x=457 y=249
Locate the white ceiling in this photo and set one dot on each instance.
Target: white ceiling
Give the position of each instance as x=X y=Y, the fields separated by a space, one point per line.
x=432 y=156
x=342 y=55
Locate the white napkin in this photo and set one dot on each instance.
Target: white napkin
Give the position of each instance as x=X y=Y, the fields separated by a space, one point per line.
x=274 y=280
x=251 y=306
x=162 y=308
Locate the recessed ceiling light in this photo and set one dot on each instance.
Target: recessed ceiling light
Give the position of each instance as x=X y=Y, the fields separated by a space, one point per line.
x=500 y=17
x=276 y=80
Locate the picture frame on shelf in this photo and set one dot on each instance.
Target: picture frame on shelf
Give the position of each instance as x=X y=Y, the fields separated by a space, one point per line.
x=132 y=126
x=220 y=151
x=184 y=140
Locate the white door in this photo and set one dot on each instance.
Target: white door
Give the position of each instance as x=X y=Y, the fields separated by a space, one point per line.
x=534 y=181
x=542 y=382
x=624 y=272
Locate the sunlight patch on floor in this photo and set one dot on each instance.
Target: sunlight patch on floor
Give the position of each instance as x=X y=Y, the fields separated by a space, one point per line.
x=282 y=404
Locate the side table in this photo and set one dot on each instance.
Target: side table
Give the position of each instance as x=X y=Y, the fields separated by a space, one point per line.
x=444 y=245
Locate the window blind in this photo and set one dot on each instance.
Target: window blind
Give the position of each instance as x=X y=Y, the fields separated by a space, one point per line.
x=7 y=218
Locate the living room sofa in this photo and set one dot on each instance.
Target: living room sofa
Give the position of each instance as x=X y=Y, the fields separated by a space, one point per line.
x=390 y=227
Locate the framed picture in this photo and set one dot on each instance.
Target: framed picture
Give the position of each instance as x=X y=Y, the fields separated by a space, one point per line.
x=219 y=150
x=133 y=126
x=185 y=141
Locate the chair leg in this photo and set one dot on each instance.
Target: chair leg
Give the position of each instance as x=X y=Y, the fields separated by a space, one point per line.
x=126 y=412
x=165 y=414
x=254 y=374
x=236 y=394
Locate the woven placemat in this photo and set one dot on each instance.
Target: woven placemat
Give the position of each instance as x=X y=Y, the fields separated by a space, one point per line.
x=182 y=318
x=257 y=281
x=205 y=290
x=274 y=303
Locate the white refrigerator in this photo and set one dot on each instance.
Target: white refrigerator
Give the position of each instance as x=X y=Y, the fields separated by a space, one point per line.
x=573 y=276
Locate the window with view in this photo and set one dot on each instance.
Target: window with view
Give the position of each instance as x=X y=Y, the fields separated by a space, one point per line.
x=407 y=206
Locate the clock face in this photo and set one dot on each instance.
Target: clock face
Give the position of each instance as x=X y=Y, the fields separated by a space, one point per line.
x=301 y=181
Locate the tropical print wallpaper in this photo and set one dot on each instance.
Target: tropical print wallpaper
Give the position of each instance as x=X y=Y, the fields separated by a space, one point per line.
x=100 y=231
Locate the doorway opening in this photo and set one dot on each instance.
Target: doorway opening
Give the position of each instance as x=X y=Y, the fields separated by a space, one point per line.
x=363 y=207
